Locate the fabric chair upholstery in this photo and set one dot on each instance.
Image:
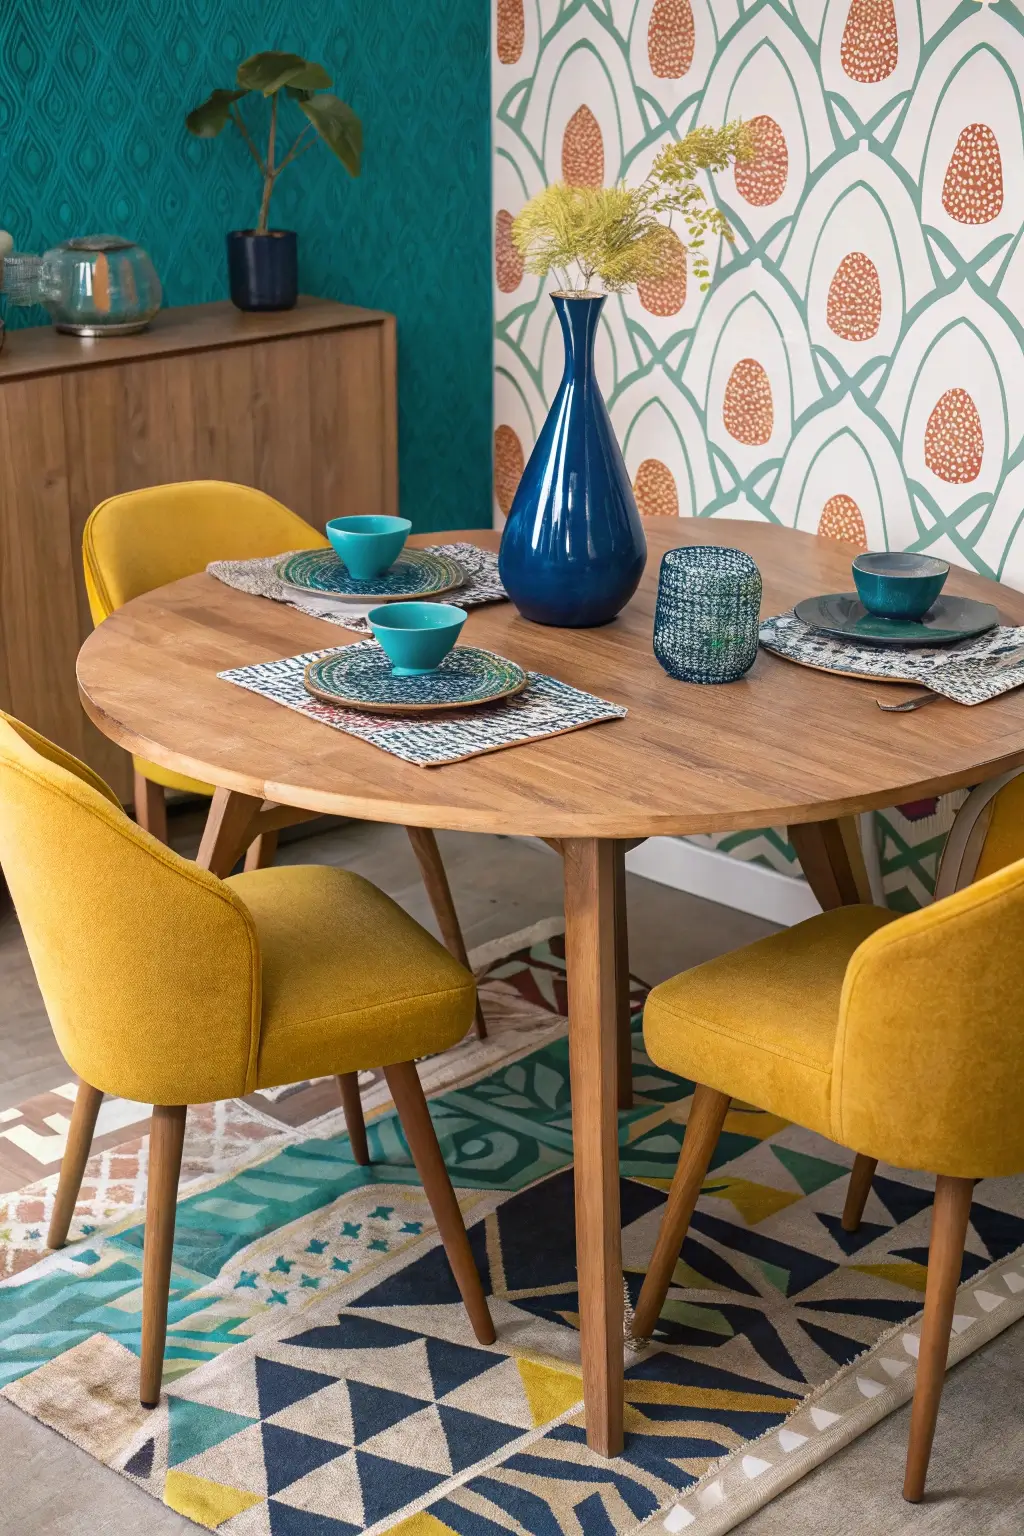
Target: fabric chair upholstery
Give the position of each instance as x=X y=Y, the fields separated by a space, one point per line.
x=168 y=986
x=145 y=539
x=850 y=1021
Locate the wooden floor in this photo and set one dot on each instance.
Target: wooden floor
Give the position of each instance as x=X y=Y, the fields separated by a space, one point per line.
x=50 y=1488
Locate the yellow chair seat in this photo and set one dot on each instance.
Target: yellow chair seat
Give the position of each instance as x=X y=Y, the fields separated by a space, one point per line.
x=761 y=1023
x=170 y=780
x=350 y=980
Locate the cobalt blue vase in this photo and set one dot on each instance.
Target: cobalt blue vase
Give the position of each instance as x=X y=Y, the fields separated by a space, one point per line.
x=573 y=549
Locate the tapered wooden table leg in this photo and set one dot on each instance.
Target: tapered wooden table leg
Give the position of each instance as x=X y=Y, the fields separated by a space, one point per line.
x=150 y=805
x=435 y=879
x=261 y=852
x=72 y=1166
x=589 y=866
x=226 y=835
x=832 y=861
x=623 y=1012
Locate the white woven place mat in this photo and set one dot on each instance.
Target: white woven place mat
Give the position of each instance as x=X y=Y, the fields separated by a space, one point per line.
x=546 y=707
x=259 y=578
x=970 y=672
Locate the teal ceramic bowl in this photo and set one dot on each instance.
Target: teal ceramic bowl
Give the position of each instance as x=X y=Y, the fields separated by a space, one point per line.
x=416 y=636
x=368 y=545
x=899 y=585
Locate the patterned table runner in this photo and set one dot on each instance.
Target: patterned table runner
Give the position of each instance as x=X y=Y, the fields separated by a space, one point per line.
x=545 y=708
x=968 y=673
x=259 y=579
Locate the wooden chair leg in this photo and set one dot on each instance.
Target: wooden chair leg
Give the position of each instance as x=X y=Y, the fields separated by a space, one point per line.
x=166 y=1136
x=428 y=856
x=150 y=806
x=352 y=1105
x=407 y=1092
x=950 y=1215
x=707 y=1115
x=262 y=851
x=72 y=1167
x=622 y=1007
x=858 y=1190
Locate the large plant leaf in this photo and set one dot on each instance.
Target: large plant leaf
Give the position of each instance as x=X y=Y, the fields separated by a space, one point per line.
x=268 y=72
x=338 y=126
x=207 y=120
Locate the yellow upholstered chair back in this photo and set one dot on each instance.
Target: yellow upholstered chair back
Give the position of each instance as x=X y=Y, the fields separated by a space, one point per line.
x=931 y=1035
x=988 y=833
x=149 y=967
x=144 y=539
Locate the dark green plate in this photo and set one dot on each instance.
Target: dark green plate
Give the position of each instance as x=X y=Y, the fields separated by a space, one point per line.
x=417 y=573
x=360 y=677
x=949 y=618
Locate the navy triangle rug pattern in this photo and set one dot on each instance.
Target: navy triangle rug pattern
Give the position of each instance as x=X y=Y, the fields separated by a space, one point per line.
x=322 y=1378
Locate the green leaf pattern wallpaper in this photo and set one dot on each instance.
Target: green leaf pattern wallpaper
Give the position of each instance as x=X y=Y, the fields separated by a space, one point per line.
x=93 y=96
x=856 y=367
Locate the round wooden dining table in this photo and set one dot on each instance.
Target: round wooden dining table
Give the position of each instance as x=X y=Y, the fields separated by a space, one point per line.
x=785 y=746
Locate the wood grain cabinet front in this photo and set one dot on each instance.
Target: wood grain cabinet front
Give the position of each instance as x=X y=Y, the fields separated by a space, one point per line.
x=301 y=404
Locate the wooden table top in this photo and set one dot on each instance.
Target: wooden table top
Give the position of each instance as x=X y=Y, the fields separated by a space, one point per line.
x=784 y=745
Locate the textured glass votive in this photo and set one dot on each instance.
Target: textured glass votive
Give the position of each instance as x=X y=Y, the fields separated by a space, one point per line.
x=705 y=624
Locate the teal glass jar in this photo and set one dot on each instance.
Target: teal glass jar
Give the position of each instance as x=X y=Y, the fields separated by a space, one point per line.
x=706 y=619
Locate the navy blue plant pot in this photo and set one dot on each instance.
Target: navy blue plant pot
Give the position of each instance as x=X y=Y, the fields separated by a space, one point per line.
x=263 y=269
x=573 y=549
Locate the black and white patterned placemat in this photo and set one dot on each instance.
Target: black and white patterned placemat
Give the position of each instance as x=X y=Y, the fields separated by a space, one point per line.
x=545 y=708
x=969 y=673
x=259 y=579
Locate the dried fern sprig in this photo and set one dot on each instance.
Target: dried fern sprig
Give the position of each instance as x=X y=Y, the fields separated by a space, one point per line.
x=605 y=232
x=616 y=233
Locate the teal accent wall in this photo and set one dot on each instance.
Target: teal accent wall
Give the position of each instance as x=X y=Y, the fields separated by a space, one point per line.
x=93 y=96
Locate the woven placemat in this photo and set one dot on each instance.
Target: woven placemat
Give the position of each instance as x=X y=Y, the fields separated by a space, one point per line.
x=968 y=673
x=259 y=578
x=546 y=707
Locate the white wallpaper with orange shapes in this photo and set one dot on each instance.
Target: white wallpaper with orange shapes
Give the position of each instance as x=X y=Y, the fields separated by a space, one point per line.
x=857 y=367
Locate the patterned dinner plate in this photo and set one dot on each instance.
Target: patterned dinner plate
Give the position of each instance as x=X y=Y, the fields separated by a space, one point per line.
x=843 y=615
x=416 y=573
x=360 y=677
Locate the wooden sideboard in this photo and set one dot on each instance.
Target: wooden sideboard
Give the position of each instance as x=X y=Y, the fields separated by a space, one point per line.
x=301 y=404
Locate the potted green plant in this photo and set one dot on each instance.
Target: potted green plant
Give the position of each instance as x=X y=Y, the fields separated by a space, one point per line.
x=263 y=262
x=573 y=548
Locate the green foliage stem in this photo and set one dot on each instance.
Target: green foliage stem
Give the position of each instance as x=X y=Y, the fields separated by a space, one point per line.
x=328 y=117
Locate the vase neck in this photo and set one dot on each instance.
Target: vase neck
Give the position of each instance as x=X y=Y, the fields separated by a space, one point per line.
x=578 y=319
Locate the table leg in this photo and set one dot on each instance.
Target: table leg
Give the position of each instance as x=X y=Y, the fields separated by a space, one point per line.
x=832 y=861
x=622 y=1009
x=589 y=866
x=228 y=831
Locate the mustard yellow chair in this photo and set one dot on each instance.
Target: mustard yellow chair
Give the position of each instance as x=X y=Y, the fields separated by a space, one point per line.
x=166 y=985
x=898 y=1037
x=145 y=539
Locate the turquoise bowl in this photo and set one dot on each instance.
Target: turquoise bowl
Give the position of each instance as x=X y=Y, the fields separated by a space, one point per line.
x=416 y=636
x=897 y=584
x=368 y=545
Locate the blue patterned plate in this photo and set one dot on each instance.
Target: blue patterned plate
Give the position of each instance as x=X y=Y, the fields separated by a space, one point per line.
x=360 y=677
x=416 y=573
x=843 y=615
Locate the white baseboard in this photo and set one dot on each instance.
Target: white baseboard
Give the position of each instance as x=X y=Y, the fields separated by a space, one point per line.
x=752 y=888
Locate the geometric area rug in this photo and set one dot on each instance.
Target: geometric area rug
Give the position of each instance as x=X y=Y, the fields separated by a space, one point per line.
x=321 y=1377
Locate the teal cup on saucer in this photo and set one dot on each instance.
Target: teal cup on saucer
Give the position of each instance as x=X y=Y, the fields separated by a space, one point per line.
x=368 y=545
x=416 y=636
x=897 y=584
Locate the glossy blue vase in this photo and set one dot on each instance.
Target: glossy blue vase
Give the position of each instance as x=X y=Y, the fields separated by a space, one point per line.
x=573 y=549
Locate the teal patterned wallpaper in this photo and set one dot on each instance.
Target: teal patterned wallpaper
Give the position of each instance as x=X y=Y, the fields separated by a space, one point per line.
x=92 y=103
